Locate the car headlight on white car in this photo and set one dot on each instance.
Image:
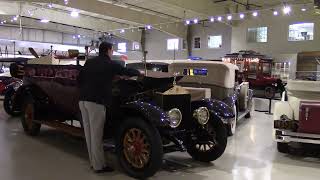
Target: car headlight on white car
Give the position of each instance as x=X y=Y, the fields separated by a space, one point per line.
x=175 y=117
x=202 y=115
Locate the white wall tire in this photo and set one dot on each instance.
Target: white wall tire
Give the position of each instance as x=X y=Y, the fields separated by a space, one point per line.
x=233 y=125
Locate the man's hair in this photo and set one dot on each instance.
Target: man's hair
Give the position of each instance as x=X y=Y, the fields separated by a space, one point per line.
x=104 y=47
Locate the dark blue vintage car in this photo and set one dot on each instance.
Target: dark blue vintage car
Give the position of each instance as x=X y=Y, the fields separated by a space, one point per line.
x=150 y=116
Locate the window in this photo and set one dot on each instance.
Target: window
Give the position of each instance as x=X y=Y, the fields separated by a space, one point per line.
x=259 y=34
x=197 y=42
x=301 y=32
x=214 y=41
x=135 y=46
x=122 y=47
x=172 y=44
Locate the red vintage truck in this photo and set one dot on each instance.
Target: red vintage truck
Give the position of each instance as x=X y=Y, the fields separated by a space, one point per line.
x=256 y=68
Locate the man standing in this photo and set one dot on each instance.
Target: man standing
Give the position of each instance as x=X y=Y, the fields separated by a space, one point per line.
x=95 y=83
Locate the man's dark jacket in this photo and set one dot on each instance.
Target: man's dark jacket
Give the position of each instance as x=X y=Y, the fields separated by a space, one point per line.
x=95 y=79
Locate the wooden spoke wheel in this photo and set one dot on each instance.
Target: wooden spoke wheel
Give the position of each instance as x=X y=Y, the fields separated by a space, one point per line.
x=139 y=148
x=28 y=115
x=136 y=148
x=30 y=127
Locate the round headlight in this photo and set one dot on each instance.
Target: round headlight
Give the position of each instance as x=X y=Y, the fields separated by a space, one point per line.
x=175 y=117
x=202 y=115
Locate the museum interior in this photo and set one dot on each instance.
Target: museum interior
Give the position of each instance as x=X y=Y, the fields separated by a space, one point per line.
x=160 y=89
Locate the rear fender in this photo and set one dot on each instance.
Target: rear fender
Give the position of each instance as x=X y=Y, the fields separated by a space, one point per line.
x=149 y=112
x=26 y=90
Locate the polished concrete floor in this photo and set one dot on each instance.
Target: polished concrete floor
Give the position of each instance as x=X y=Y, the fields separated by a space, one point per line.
x=251 y=155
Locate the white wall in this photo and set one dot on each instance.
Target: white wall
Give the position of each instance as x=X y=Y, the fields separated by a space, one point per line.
x=212 y=29
x=156 y=45
x=278 y=26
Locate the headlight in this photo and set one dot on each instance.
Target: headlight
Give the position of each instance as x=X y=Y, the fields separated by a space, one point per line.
x=175 y=117
x=202 y=115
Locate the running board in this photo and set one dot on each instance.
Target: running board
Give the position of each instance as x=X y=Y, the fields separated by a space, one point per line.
x=66 y=128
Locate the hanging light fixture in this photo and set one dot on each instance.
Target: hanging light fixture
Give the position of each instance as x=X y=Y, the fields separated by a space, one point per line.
x=229 y=17
x=74 y=14
x=241 y=16
x=187 y=22
x=44 y=20
x=286 y=10
x=195 y=21
x=255 y=14
x=219 y=18
x=275 y=13
x=212 y=19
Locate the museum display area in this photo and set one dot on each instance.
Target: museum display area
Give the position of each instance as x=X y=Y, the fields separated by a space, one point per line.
x=220 y=89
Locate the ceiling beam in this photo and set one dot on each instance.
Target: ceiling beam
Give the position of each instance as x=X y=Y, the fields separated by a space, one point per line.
x=204 y=7
x=98 y=8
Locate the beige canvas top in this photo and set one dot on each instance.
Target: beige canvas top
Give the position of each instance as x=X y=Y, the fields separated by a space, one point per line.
x=307 y=90
x=218 y=73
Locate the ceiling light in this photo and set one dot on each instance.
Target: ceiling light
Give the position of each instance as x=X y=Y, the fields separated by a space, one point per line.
x=30 y=13
x=2 y=22
x=79 y=36
x=149 y=27
x=286 y=9
x=241 y=16
x=122 y=31
x=74 y=14
x=219 y=18
x=44 y=20
x=229 y=17
x=195 y=21
x=303 y=9
x=187 y=22
x=50 y=5
x=74 y=37
x=212 y=19
x=66 y=2
x=275 y=13
x=15 y=18
x=255 y=14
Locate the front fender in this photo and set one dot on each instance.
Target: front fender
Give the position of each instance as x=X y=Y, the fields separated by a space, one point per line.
x=153 y=114
x=231 y=99
x=216 y=107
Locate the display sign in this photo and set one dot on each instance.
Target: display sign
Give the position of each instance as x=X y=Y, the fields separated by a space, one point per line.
x=195 y=72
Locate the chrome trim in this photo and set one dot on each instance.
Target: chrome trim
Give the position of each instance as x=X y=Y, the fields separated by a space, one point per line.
x=288 y=136
x=180 y=114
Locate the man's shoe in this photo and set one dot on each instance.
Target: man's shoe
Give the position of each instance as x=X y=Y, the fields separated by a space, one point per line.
x=104 y=170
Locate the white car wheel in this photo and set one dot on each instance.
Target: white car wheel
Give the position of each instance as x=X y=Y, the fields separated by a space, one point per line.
x=234 y=123
x=232 y=126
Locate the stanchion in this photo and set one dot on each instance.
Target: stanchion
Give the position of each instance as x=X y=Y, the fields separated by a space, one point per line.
x=270 y=103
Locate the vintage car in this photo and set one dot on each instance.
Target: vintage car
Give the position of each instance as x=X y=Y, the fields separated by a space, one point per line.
x=256 y=69
x=152 y=66
x=296 y=117
x=150 y=116
x=221 y=83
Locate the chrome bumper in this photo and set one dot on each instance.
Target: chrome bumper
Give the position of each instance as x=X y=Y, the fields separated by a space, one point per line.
x=286 y=136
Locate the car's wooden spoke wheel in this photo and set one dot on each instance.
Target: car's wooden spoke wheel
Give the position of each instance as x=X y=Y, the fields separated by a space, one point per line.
x=28 y=115
x=136 y=148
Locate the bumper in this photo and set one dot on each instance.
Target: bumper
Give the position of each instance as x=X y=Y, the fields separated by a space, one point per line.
x=287 y=136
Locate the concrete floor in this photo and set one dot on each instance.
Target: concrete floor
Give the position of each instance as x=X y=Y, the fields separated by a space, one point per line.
x=251 y=155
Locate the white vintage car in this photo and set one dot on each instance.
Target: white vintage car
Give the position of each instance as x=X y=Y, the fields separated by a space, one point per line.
x=296 y=117
x=220 y=81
